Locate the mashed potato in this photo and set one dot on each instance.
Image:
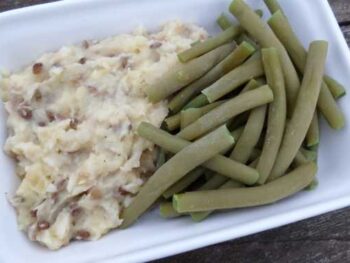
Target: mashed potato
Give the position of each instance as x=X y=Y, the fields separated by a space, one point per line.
x=72 y=120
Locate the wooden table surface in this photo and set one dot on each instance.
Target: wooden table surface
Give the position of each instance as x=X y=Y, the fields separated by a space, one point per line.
x=323 y=239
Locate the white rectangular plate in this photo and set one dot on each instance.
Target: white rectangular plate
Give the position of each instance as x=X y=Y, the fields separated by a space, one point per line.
x=27 y=33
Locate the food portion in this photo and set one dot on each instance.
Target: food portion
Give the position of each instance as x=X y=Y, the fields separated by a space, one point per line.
x=268 y=92
x=102 y=131
x=72 y=121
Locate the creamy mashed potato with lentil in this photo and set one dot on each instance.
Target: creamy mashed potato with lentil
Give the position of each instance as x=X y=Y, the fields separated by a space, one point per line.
x=72 y=120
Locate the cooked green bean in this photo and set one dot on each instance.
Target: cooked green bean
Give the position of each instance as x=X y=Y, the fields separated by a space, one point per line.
x=313 y=133
x=210 y=44
x=190 y=115
x=219 y=163
x=305 y=106
x=335 y=87
x=269 y=193
x=238 y=121
x=245 y=38
x=258 y=29
x=304 y=156
x=226 y=111
x=256 y=56
x=300 y=159
x=213 y=183
x=182 y=74
x=224 y=22
x=167 y=210
x=184 y=182
x=237 y=57
x=236 y=133
x=273 y=6
x=199 y=101
x=234 y=79
x=252 y=84
x=310 y=155
x=276 y=114
x=326 y=103
x=250 y=135
x=254 y=163
x=195 y=43
x=329 y=108
x=312 y=186
x=173 y=122
x=160 y=158
x=259 y=12
x=199 y=216
x=173 y=170
x=208 y=174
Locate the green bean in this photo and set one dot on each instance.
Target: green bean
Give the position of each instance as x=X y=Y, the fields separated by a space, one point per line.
x=210 y=44
x=217 y=181
x=329 y=108
x=255 y=56
x=226 y=111
x=254 y=163
x=234 y=79
x=273 y=6
x=276 y=115
x=250 y=135
x=309 y=155
x=181 y=74
x=160 y=158
x=219 y=163
x=208 y=174
x=195 y=43
x=255 y=154
x=305 y=106
x=304 y=156
x=326 y=103
x=238 y=121
x=184 y=182
x=236 y=133
x=173 y=122
x=167 y=210
x=173 y=170
x=313 y=133
x=224 y=22
x=190 y=115
x=199 y=101
x=242 y=118
x=269 y=193
x=335 y=87
x=237 y=57
x=300 y=159
x=245 y=38
x=259 y=12
x=214 y=182
x=200 y=216
x=258 y=29
x=312 y=186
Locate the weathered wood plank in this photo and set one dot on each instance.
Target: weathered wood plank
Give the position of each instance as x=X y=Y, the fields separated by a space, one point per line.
x=346 y=32
x=321 y=239
x=341 y=9
x=12 y=4
x=303 y=251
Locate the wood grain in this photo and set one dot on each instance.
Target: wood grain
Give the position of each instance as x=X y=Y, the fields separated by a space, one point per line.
x=341 y=9
x=324 y=239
